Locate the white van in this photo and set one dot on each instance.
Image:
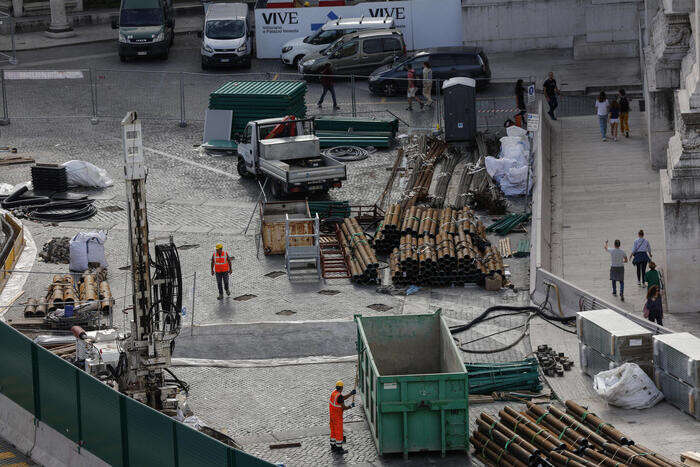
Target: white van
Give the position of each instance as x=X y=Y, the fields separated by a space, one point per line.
x=226 y=35
x=294 y=50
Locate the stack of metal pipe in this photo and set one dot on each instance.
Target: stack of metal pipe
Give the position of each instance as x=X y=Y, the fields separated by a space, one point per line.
x=566 y=437
x=362 y=261
x=388 y=232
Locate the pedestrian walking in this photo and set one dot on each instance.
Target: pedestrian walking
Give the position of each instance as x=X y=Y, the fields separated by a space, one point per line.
x=411 y=93
x=614 y=118
x=221 y=267
x=520 y=103
x=551 y=91
x=653 y=308
x=652 y=276
x=328 y=85
x=601 y=107
x=336 y=407
x=641 y=255
x=427 y=83
x=617 y=268
x=624 y=114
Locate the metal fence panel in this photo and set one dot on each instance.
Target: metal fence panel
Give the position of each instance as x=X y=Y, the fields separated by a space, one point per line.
x=58 y=390
x=100 y=419
x=48 y=94
x=194 y=450
x=150 y=436
x=152 y=94
x=16 y=376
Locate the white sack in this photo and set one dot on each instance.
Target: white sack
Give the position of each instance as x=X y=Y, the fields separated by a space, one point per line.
x=78 y=252
x=96 y=248
x=627 y=386
x=81 y=173
x=515 y=130
x=497 y=168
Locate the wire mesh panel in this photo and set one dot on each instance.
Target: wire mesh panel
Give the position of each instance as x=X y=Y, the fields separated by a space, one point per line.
x=7 y=38
x=48 y=94
x=16 y=376
x=151 y=94
x=150 y=436
x=58 y=394
x=100 y=420
x=194 y=450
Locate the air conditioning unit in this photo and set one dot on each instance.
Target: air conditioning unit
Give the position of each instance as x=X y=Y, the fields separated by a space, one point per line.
x=615 y=337
x=678 y=354
x=678 y=393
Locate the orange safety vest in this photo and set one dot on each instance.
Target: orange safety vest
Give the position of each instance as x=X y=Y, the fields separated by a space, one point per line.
x=220 y=261
x=335 y=408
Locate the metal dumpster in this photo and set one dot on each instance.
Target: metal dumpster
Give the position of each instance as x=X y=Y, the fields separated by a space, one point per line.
x=413 y=384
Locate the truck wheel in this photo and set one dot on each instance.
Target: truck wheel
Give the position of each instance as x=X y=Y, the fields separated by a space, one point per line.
x=122 y=58
x=390 y=89
x=296 y=61
x=242 y=171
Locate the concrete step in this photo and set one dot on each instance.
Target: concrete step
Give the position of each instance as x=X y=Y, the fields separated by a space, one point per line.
x=584 y=50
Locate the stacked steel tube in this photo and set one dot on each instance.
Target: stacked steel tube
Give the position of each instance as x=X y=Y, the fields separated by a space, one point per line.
x=360 y=256
x=421 y=176
x=442 y=247
x=562 y=437
x=388 y=232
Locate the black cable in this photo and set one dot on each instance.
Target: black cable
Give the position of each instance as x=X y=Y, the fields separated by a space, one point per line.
x=481 y=317
x=185 y=387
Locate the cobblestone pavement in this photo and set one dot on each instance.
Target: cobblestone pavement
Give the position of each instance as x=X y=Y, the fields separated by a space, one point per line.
x=200 y=200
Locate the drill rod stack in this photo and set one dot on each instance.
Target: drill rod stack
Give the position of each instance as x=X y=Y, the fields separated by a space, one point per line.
x=552 y=436
x=360 y=255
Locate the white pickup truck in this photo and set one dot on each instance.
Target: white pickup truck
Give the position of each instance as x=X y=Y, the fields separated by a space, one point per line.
x=286 y=152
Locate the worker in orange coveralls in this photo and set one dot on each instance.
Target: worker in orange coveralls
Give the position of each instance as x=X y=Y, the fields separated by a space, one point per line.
x=337 y=406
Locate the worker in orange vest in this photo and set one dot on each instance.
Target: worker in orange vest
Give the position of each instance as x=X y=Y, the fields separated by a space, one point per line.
x=337 y=406
x=221 y=266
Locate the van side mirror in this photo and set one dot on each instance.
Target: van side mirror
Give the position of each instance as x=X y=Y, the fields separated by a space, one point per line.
x=115 y=22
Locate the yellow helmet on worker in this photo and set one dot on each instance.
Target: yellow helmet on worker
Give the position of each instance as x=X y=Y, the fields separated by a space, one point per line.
x=219 y=246
x=339 y=384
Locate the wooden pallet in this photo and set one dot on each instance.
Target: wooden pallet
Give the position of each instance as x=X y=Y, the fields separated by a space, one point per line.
x=333 y=264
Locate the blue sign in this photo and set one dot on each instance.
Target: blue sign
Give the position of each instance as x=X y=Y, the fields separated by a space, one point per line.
x=331 y=16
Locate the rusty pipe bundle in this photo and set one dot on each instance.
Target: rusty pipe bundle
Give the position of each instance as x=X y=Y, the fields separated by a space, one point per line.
x=105 y=296
x=88 y=288
x=388 y=232
x=590 y=419
x=512 y=436
x=560 y=428
x=504 y=441
x=584 y=430
x=411 y=221
x=490 y=451
x=428 y=223
x=30 y=307
x=524 y=426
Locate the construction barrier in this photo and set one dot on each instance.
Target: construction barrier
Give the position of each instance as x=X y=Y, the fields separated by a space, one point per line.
x=110 y=425
x=12 y=249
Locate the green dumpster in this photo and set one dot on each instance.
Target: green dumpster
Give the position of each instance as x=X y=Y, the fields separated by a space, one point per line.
x=413 y=384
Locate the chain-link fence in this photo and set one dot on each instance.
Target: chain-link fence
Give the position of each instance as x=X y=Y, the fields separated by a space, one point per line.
x=184 y=97
x=8 y=52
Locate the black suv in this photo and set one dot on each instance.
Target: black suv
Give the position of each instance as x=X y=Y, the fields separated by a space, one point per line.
x=447 y=62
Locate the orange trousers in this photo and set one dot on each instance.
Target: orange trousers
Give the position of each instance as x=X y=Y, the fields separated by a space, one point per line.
x=336 y=430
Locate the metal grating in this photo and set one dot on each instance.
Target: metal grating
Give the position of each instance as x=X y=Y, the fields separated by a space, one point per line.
x=616 y=337
x=678 y=393
x=679 y=355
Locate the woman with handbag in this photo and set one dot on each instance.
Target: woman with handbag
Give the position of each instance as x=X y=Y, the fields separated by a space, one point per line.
x=641 y=255
x=653 y=309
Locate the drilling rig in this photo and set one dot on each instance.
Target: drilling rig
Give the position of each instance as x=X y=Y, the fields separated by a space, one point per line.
x=146 y=351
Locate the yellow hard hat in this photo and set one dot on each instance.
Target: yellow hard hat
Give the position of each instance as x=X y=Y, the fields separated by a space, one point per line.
x=307 y=4
x=219 y=246
x=339 y=384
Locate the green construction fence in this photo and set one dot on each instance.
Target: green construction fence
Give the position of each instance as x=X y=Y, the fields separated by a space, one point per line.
x=112 y=426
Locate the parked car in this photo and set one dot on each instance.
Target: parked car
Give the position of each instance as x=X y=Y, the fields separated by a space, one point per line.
x=226 y=36
x=447 y=62
x=296 y=49
x=357 y=54
x=146 y=28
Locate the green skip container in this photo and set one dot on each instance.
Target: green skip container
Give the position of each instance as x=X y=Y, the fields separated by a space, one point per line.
x=413 y=384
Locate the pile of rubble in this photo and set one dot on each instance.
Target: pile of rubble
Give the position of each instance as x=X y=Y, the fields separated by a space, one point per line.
x=57 y=250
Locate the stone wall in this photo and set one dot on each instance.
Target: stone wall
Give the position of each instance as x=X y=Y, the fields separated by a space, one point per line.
x=594 y=28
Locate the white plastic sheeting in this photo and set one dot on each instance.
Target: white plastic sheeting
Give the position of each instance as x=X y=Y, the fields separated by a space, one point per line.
x=510 y=168
x=15 y=283
x=81 y=173
x=627 y=386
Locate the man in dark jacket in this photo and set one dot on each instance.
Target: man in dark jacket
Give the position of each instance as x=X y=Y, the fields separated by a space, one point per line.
x=327 y=82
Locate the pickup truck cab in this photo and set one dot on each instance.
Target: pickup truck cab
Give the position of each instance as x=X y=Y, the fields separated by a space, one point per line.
x=286 y=153
x=146 y=28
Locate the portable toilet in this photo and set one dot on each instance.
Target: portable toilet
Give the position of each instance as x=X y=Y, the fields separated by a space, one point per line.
x=460 y=109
